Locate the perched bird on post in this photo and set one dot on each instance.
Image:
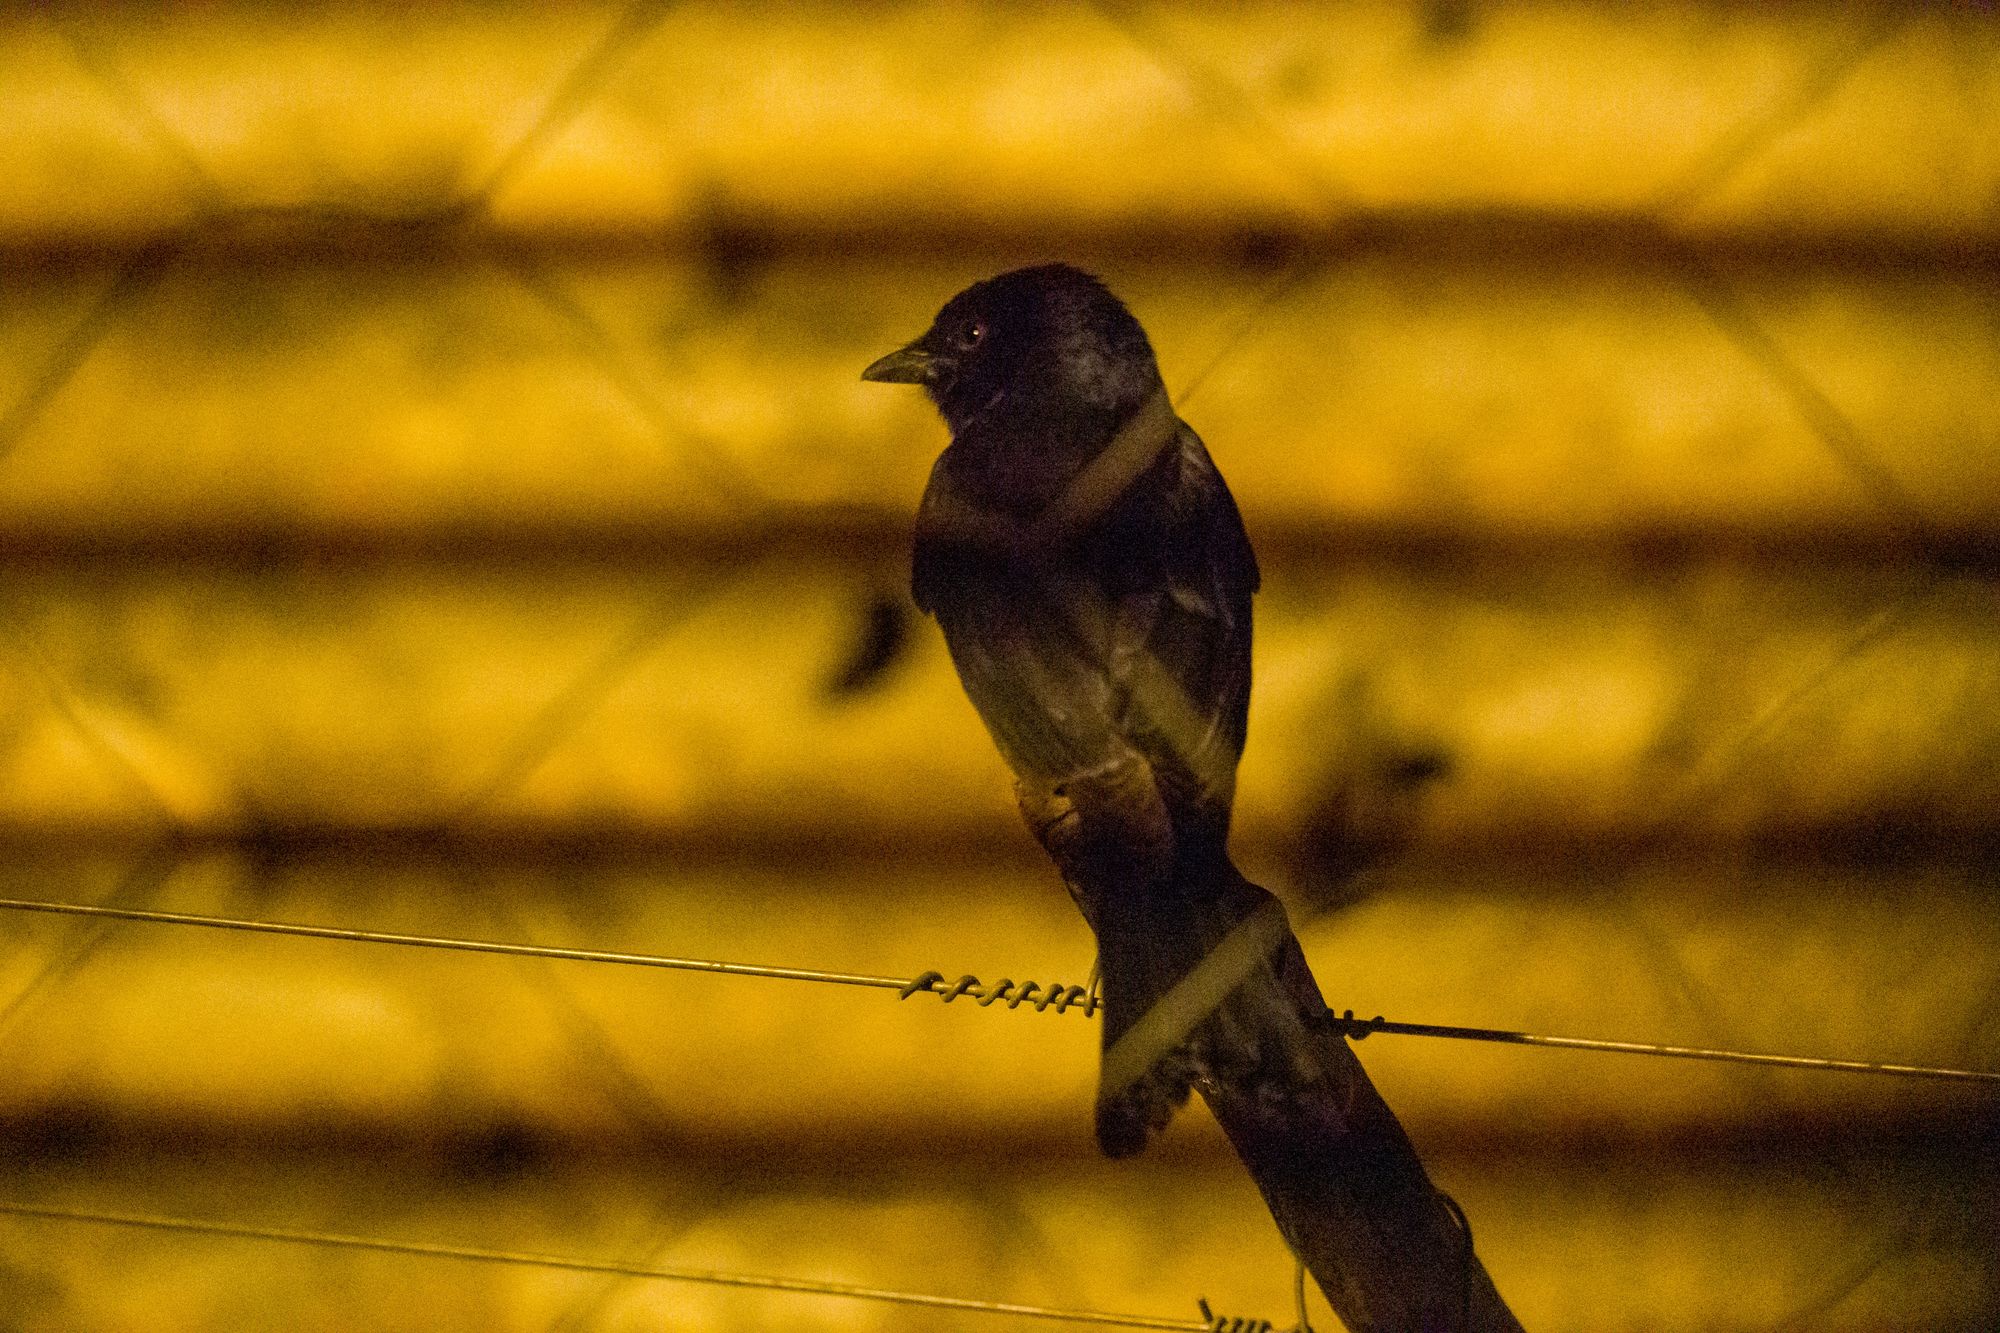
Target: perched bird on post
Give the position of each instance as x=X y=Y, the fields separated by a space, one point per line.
x=1093 y=580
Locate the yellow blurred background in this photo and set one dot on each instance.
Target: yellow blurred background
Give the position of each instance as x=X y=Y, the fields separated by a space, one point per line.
x=436 y=495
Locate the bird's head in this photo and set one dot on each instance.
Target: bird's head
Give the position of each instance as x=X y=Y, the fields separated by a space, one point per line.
x=1048 y=342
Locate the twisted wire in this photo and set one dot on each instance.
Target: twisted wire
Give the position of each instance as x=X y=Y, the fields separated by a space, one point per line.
x=1059 y=997
x=1220 y=1323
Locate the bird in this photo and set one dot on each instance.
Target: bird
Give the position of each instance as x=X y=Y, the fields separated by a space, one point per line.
x=1093 y=579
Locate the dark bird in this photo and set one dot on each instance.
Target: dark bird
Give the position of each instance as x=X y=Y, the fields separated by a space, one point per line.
x=1093 y=580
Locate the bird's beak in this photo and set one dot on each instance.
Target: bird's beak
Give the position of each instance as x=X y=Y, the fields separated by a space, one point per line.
x=906 y=365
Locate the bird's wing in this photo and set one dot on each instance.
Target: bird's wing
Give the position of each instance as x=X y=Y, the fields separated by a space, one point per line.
x=1181 y=653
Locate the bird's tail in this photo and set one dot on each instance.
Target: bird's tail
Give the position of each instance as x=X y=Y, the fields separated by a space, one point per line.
x=1198 y=984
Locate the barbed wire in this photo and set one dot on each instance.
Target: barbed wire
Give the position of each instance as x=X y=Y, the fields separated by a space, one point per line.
x=133 y=890
x=1223 y=98
x=139 y=112
x=575 y=92
x=1828 y=424
x=1006 y=991
x=1227 y=100
x=129 y=282
x=1208 y=1323
x=1736 y=148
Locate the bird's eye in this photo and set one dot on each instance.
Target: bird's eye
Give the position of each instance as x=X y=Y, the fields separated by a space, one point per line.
x=972 y=334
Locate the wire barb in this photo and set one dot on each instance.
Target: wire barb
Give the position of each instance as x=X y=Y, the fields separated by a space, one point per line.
x=1352 y=1028
x=1060 y=998
x=1221 y=1323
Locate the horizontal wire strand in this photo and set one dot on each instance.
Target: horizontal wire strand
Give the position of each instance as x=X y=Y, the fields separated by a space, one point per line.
x=503 y=947
x=1005 y=990
x=1358 y=1028
x=709 y=1277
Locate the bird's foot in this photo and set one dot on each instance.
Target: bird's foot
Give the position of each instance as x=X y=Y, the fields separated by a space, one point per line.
x=1051 y=816
x=1104 y=826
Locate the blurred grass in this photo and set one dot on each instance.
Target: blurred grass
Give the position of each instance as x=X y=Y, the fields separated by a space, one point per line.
x=1488 y=391
x=940 y=113
x=1577 y=705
